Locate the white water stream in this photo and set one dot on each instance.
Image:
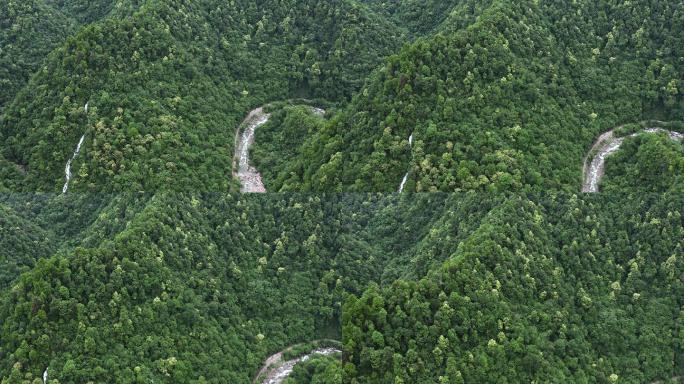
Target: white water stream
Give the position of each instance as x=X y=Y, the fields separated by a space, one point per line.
x=249 y=177
x=67 y=170
x=403 y=182
x=606 y=145
x=283 y=371
x=405 y=179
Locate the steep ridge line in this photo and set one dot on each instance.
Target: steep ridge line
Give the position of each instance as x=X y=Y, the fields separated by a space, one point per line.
x=606 y=145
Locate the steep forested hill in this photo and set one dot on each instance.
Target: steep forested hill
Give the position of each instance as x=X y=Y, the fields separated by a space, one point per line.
x=647 y=164
x=188 y=289
x=10 y=176
x=167 y=86
x=22 y=242
x=202 y=288
x=559 y=289
x=35 y=226
x=497 y=95
x=29 y=30
x=511 y=102
x=424 y=17
x=88 y=11
x=151 y=268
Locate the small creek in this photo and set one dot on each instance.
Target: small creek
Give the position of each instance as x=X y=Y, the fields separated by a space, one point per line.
x=405 y=179
x=247 y=174
x=285 y=369
x=67 y=169
x=606 y=145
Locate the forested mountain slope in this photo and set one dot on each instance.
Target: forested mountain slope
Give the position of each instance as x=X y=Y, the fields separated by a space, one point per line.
x=495 y=95
x=35 y=226
x=512 y=102
x=29 y=30
x=425 y=17
x=646 y=164
x=202 y=288
x=88 y=11
x=153 y=269
x=10 y=176
x=22 y=242
x=167 y=86
x=559 y=289
x=191 y=288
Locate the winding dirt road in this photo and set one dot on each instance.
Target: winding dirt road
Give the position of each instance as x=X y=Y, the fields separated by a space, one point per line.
x=606 y=145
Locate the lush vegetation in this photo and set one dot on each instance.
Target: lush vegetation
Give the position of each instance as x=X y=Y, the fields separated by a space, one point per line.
x=646 y=163
x=29 y=30
x=10 y=176
x=186 y=289
x=557 y=289
x=150 y=270
x=192 y=288
x=512 y=102
x=167 y=85
x=22 y=242
x=498 y=96
x=317 y=370
x=35 y=226
x=88 y=11
x=278 y=151
x=424 y=17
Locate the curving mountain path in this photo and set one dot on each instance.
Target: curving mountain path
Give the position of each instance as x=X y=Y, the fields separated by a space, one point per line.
x=606 y=145
x=247 y=174
x=275 y=370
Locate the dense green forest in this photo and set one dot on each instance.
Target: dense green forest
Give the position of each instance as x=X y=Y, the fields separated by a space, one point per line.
x=425 y=287
x=168 y=84
x=184 y=289
x=88 y=11
x=559 y=289
x=421 y=18
x=21 y=243
x=498 y=96
x=278 y=149
x=10 y=175
x=152 y=268
x=512 y=102
x=29 y=30
x=647 y=163
x=317 y=370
